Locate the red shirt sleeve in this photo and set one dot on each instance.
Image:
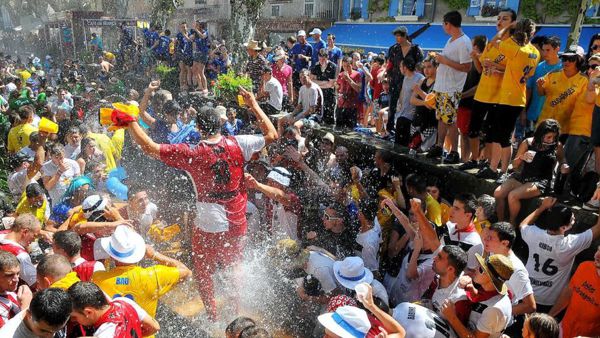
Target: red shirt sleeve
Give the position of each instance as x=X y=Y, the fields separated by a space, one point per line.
x=176 y=155
x=463 y=310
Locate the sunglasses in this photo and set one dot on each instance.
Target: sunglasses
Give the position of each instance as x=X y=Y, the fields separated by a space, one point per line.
x=569 y=58
x=594 y=47
x=481 y=270
x=330 y=218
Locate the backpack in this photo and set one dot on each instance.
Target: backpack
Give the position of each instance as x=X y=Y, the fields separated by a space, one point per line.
x=583 y=178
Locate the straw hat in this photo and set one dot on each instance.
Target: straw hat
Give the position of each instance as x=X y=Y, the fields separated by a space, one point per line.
x=499 y=268
x=252 y=44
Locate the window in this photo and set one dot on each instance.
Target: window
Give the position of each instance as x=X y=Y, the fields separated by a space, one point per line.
x=492 y=8
x=309 y=8
x=200 y=2
x=407 y=8
x=275 y=10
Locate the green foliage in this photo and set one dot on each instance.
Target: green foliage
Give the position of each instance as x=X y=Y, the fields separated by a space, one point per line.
x=163 y=9
x=228 y=85
x=529 y=10
x=458 y=4
x=385 y=19
x=553 y=8
x=378 y=6
x=169 y=76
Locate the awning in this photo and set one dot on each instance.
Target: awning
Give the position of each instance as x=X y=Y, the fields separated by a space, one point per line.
x=371 y=37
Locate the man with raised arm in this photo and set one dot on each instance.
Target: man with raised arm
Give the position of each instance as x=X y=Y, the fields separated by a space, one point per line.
x=216 y=165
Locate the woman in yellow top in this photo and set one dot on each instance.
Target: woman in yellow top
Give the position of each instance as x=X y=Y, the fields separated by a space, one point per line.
x=490 y=63
x=562 y=89
x=593 y=84
x=580 y=122
x=521 y=60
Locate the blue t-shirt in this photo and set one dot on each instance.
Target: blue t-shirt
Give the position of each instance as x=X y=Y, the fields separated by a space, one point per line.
x=202 y=45
x=537 y=101
x=184 y=46
x=335 y=54
x=220 y=65
x=163 y=45
x=299 y=49
x=316 y=47
x=232 y=129
x=98 y=42
x=150 y=36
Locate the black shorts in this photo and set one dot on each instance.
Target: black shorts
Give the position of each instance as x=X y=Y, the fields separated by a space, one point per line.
x=480 y=110
x=200 y=57
x=500 y=124
x=596 y=127
x=296 y=80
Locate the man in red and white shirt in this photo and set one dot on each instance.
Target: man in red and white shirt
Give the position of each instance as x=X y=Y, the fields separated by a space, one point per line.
x=121 y=317
x=68 y=244
x=12 y=297
x=216 y=166
x=23 y=232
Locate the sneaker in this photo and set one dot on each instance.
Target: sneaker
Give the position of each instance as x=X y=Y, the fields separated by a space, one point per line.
x=452 y=158
x=468 y=165
x=435 y=151
x=502 y=178
x=482 y=164
x=591 y=205
x=487 y=173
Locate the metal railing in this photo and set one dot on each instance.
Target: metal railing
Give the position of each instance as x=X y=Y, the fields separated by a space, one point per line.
x=322 y=9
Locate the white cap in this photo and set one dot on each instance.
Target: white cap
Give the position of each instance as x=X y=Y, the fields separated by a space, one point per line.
x=92 y=204
x=316 y=31
x=346 y=322
x=301 y=33
x=222 y=111
x=124 y=245
x=280 y=175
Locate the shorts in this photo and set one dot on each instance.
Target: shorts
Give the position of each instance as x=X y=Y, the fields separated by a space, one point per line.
x=464 y=119
x=596 y=127
x=575 y=148
x=500 y=124
x=296 y=80
x=446 y=107
x=200 y=57
x=185 y=59
x=479 y=112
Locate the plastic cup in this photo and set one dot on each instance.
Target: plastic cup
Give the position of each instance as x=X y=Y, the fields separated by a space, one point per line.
x=362 y=290
x=241 y=101
x=430 y=100
x=48 y=126
x=530 y=156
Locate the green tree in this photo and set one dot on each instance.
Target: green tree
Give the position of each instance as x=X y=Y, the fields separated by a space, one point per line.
x=242 y=24
x=162 y=10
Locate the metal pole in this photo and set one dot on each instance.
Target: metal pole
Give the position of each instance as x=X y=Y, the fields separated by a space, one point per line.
x=73 y=38
x=85 y=43
x=60 y=45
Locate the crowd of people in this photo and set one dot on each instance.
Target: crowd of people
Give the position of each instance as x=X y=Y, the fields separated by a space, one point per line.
x=109 y=183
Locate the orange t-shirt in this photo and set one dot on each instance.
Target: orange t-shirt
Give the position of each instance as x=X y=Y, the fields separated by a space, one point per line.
x=583 y=311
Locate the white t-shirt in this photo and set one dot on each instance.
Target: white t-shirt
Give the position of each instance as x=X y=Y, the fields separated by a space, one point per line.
x=321 y=266
x=470 y=242
x=98 y=266
x=212 y=217
x=49 y=169
x=72 y=152
x=491 y=316
x=453 y=293
x=17 y=182
x=285 y=222
x=519 y=283
x=370 y=241
x=28 y=271
x=309 y=97
x=551 y=259
x=401 y=289
x=273 y=87
x=448 y=79
x=419 y=321
x=107 y=330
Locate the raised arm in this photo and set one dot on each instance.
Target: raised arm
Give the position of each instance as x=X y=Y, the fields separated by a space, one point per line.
x=265 y=124
x=140 y=137
x=547 y=203
x=184 y=271
x=152 y=87
x=271 y=192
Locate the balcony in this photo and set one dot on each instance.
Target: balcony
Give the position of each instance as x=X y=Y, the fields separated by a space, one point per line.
x=324 y=10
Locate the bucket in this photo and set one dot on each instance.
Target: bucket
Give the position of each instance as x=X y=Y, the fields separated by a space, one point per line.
x=47 y=126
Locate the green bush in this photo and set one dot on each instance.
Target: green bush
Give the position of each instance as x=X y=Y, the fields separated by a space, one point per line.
x=228 y=85
x=169 y=77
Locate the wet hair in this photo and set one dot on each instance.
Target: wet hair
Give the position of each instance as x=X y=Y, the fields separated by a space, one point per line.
x=385 y=156
x=84 y=129
x=255 y=332
x=543 y=325
x=54 y=266
x=369 y=209
x=545 y=127
x=453 y=18
x=513 y=14
x=238 y=325
x=86 y=141
x=292 y=39
x=457 y=257
x=409 y=63
x=590 y=52
x=305 y=72
x=33 y=190
x=417 y=182
x=208 y=121
x=25 y=222
x=8 y=260
x=171 y=107
x=523 y=31
x=538 y=40
x=332 y=36
x=431 y=60
x=52 y=306
x=25 y=112
x=488 y=204
x=557 y=216
x=480 y=41
x=87 y=294
x=347 y=59
x=469 y=202
x=56 y=149
x=553 y=41
x=69 y=241
x=505 y=232
x=167 y=32
x=34 y=137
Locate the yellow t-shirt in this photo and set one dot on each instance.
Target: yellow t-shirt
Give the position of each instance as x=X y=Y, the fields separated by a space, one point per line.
x=434 y=210
x=487 y=89
x=144 y=285
x=520 y=65
x=561 y=94
x=580 y=122
x=24 y=207
x=108 y=149
x=118 y=139
x=18 y=137
x=66 y=282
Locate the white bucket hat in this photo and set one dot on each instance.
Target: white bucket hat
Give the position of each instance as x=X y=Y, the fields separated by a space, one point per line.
x=280 y=175
x=124 y=245
x=346 y=322
x=351 y=272
x=93 y=204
